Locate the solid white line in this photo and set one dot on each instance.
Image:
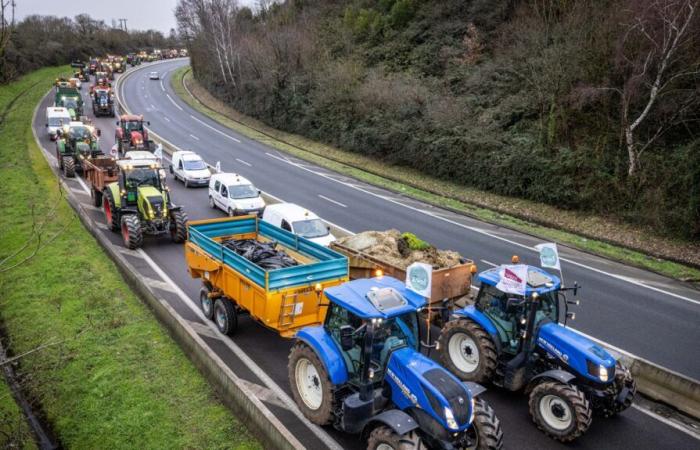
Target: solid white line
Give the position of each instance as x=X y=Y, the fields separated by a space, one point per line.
x=194 y=137
x=83 y=185
x=260 y=373
x=662 y=419
x=486 y=233
x=162 y=88
x=332 y=201
x=489 y=263
x=173 y=101
x=214 y=129
x=244 y=162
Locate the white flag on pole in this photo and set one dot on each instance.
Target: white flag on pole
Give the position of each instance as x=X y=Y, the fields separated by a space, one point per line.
x=513 y=279
x=549 y=255
x=419 y=277
x=158 y=153
x=217 y=168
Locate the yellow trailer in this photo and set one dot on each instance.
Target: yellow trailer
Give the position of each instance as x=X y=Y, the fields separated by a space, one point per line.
x=284 y=299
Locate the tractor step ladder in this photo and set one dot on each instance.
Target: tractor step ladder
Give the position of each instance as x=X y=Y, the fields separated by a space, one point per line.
x=287 y=310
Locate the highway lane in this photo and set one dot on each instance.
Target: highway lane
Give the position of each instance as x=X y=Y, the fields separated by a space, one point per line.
x=641 y=312
x=270 y=352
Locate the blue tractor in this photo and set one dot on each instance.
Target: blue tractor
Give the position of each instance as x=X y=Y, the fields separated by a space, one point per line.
x=518 y=342
x=362 y=371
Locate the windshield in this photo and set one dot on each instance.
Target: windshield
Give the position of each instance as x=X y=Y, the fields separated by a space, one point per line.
x=195 y=164
x=142 y=177
x=80 y=133
x=311 y=228
x=242 y=191
x=57 y=121
x=392 y=334
x=133 y=125
x=70 y=103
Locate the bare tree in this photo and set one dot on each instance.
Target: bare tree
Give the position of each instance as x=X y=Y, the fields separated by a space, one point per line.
x=6 y=23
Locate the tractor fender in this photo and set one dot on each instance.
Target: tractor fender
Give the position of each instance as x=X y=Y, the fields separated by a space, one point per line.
x=114 y=189
x=61 y=146
x=559 y=375
x=395 y=419
x=470 y=312
x=327 y=351
x=475 y=388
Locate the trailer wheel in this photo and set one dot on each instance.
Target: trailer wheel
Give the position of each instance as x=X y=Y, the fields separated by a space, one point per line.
x=384 y=438
x=96 y=197
x=467 y=351
x=178 y=226
x=131 y=231
x=110 y=209
x=225 y=316
x=485 y=432
x=311 y=385
x=560 y=410
x=68 y=166
x=206 y=303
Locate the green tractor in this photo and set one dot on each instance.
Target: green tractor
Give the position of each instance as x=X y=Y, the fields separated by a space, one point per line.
x=138 y=204
x=76 y=142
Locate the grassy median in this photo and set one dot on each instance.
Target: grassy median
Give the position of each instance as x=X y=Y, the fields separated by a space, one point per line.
x=587 y=232
x=99 y=366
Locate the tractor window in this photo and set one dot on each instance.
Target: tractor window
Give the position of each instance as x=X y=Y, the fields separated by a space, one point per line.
x=132 y=125
x=494 y=303
x=338 y=317
x=390 y=335
x=549 y=307
x=142 y=177
x=80 y=133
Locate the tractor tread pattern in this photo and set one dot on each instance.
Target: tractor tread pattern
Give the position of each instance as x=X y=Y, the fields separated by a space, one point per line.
x=108 y=199
x=68 y=167
x=487 y=350
x=583 y=415
x=134 y=237
x=488 y=426
x=385 y=435
x=324 y=414
x=178 y=226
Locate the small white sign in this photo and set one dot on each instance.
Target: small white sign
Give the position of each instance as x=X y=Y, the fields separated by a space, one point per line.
x=298 y=308
x=513 y=279
x=158 y=153
x=217 y=168
x=419 y=278
x=549 y=255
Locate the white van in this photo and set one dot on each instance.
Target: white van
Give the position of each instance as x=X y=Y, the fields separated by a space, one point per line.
x=190 y=168
x=299 y=221
x=235 y=195
x=56 y=117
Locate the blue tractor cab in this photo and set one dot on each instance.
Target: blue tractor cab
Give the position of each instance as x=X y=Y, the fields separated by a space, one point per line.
x=362 y=371
x=521 y=342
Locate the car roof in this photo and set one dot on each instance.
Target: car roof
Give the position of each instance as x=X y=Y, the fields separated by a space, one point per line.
x=353 y=296
x=539 y=280
x=291 y=211
x=58 y=110
x=230 y=179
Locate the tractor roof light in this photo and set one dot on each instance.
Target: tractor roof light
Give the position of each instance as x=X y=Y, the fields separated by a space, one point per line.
x=378 y=273
x=473 y=269
x=515 y=259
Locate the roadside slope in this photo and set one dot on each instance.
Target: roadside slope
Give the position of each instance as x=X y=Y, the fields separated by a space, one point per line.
x=104 y=373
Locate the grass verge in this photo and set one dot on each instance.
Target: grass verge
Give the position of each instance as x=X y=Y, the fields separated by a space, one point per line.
x=14 y=429
x=614 y=240
x=109 y=375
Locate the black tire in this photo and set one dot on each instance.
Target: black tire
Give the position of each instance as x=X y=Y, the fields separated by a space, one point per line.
x=68 y=166
x=212 y=205
x=570 y=404
x=96 y=197
x=225 y=316
x=206 y=303
x=486 y=427
x=171 y=170
x=323 y=414
x=231 y=212
x=110 y=209
x=385 y=435
x=484 y=349
x=185 y=182
x=178 y=226
x=131 y=231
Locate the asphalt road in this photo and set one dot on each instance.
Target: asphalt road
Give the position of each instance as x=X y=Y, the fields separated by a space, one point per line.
x=614 y=310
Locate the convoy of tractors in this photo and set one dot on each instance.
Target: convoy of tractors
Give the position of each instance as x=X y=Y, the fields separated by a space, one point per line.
x=360 y=361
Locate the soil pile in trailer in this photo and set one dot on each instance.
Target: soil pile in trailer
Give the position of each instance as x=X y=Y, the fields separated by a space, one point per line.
x=264 y=254
x=400 y=250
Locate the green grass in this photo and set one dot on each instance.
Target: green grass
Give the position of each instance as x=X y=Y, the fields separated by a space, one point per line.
x=14 y=429
x=114 y=378
x=592 y=234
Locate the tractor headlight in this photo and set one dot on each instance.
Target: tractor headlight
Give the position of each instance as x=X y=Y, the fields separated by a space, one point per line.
x=602 y=373
x=473 y=411
x=598 y=371
x=450 y=419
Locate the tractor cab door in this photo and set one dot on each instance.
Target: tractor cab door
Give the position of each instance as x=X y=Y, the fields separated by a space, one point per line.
x=505 y=311
x=347 y=331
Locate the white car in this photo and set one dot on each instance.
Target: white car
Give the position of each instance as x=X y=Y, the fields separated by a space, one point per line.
x=235 y=195
x=154 y=76
x=300 y=221
x=190 y=168
x=56 y=117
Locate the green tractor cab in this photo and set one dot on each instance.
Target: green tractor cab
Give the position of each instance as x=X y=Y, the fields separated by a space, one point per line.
x=139 y=204
x=76 y=142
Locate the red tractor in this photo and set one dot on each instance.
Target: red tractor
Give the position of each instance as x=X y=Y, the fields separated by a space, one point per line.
x=131 y=134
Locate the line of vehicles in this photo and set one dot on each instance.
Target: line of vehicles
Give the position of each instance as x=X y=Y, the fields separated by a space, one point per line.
x=361 y=355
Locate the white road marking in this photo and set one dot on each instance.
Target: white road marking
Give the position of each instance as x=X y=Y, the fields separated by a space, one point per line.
x=194 y=137
x=153 y=106
x=162 y=88
x=214 y=129
x=332 y=201
x=166 y=118
x=668 y=422
x=489 y=263
x=244 y=162
x=486 y=233
x=173 y=102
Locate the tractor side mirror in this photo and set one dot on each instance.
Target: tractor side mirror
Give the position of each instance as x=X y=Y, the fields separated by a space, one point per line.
x=570 y=316
x=99 y=132
x=117 y=123
x=576 y=286
x=148 y=123
x=346 y=342
x=328 y=228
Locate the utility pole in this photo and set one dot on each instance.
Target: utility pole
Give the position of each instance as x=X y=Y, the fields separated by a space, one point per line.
x=122 y=25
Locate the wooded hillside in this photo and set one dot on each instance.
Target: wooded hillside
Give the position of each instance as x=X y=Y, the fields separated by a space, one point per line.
x=587 y=104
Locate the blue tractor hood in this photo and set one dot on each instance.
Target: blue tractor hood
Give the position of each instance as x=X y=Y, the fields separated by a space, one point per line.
x=419 y=382
x=583 y=357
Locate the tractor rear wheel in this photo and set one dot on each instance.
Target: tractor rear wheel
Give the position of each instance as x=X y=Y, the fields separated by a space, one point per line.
x=560 y=410
x=206 y=302
x=384 y=438
x=485 y=431
x=467 y=351
x=178 y=226
x=225 y=316
x=131 y=231
x=96 y=197
x=68 y=166
x=111 y=216
x=311 y=385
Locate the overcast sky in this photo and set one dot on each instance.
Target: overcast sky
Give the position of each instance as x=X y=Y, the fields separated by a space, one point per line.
x=140 y=14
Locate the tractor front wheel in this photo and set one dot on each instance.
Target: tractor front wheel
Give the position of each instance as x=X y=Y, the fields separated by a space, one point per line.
x=485 y=432
x=110 y=209
x=178 y=226
x=131 y=231
x=560 y=410
x=225 y=316
x=467 y=351
x=310 y=383
x=384 y=438
x=68 y=166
